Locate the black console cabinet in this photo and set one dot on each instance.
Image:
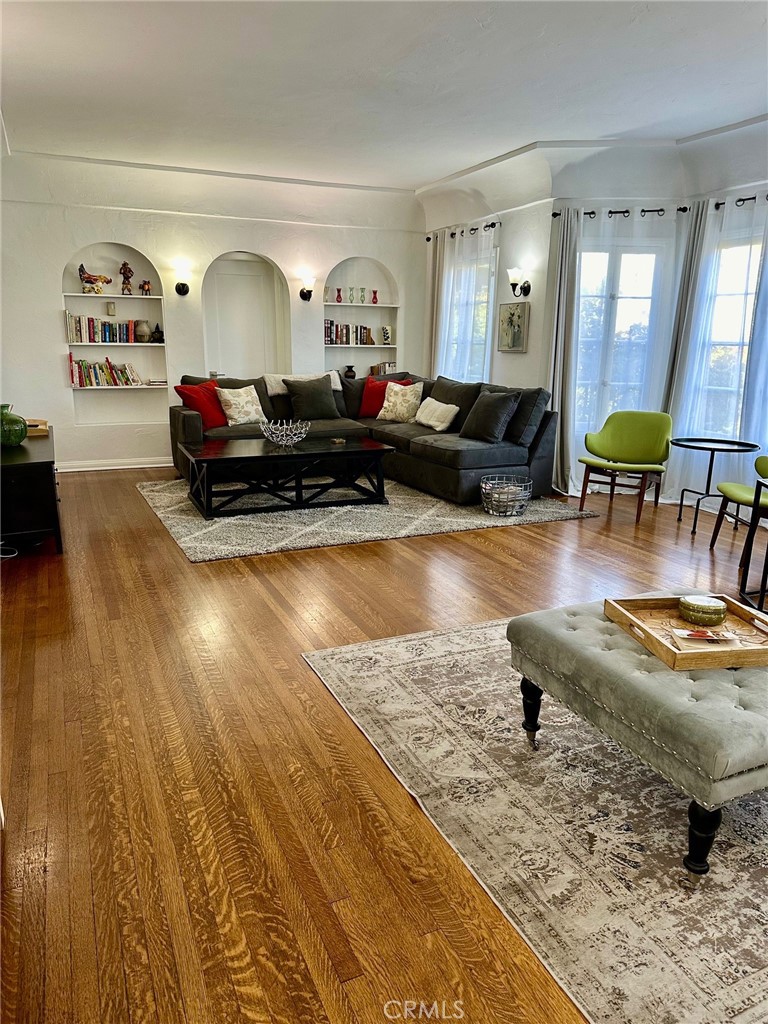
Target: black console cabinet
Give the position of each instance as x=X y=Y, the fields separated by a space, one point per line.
x=29 y=507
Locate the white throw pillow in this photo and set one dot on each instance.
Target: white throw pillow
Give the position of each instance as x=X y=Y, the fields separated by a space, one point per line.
x=438 y=415
x=241 y=405
x=401 y=402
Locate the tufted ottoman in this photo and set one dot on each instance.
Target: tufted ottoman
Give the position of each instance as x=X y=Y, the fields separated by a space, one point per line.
x=705 y=730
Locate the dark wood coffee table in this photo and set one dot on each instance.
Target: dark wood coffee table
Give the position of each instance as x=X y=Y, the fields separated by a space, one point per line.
x=302 y=476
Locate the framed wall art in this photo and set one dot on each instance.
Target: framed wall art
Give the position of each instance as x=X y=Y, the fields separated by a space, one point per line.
x=513 y=326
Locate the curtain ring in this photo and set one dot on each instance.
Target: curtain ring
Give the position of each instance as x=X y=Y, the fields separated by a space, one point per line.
x=473 y=231
x=590 y=213
x=453 y=234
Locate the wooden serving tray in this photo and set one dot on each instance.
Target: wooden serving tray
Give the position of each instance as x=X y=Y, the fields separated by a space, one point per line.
x=650 y=621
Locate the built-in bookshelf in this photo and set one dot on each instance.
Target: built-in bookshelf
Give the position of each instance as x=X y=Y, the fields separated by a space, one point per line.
x=131 y=326
x=352 y=326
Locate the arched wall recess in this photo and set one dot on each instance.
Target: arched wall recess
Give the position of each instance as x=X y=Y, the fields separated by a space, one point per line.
x=246 y=316
x=361 y=330
x=115 y=335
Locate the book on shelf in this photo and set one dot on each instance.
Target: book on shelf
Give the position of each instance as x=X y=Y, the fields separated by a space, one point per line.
x=346 y=334
x=387 y=366
x=93 y=330
x=105 y=374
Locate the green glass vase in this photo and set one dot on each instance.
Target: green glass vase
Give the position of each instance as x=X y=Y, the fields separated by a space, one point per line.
x=13 y=428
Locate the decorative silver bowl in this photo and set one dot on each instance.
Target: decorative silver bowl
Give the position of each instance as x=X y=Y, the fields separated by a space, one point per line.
x=285 y=432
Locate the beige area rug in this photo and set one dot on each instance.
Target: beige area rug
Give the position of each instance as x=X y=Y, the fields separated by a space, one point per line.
x=408 y=514
x=579 y=844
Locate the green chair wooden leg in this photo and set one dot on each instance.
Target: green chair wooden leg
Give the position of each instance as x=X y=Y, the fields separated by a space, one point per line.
x=584 y=487
x=641 y=496
x=719 y=521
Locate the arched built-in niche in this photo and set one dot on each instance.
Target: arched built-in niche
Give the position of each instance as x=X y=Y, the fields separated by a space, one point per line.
x=245 y=316
x=101 y=329
x=356 y=331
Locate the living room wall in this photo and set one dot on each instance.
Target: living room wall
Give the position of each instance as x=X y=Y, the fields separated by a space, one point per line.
x=53 y=207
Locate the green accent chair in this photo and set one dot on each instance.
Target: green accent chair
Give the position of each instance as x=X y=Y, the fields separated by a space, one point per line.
x=630 y=444
x=741 y=494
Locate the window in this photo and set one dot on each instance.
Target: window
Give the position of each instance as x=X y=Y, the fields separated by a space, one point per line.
x=467 y=322
x=728 y=337
x=621 y=350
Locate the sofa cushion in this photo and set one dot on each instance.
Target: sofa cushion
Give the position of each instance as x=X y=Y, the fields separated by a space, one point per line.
x=234 y=383
x=401 y=402
x=312 y=399
x=352 y=390
x=453 y=392
x=399 y=435
x=528 y=416
x=489 y=416
x=203 y=398
x=436 y=415
x=428 y=383
x=374 y=393
x=341 y=427
x=465 y=453
x=241 y=405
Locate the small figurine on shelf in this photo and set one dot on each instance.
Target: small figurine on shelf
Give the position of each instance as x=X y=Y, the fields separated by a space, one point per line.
x=92 y=283
x=126 y=273
x=145 y=288
x=157 y=338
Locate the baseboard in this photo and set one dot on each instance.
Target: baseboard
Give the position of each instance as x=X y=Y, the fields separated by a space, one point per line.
x=160 y=462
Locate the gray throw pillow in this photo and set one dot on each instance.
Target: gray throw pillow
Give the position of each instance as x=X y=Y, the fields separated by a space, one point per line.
x=453 y=392
x=528 y=416
x=312 y=399
x=489 y=417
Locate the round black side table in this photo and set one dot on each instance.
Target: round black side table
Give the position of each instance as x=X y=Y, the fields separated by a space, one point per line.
x=715 y=446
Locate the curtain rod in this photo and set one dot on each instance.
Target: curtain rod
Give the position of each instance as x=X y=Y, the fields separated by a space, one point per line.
x=473 y=231
x=625 y=213
x=739 y=202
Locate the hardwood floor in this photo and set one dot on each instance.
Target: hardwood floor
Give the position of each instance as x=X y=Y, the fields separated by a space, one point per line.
x=196 y=832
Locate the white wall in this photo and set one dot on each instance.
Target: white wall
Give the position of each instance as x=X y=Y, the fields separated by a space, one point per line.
x=52 y=208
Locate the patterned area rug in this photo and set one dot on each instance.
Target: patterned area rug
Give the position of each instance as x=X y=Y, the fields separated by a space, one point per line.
x=579 y=844
x=408 y=514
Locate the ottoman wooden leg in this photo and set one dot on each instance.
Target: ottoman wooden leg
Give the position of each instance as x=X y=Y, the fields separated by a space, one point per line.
x=702 y=829
x=531 y=707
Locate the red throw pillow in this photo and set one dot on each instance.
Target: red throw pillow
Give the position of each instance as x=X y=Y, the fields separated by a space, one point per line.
x=374 y=393
x=203 y=399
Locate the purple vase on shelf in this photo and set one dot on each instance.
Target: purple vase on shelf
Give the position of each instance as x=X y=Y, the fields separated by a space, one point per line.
x=375 y=296
x=338 y=295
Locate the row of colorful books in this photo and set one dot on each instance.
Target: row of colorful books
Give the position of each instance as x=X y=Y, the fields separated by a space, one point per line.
x=107 y=374
x=91 y=329
x=347 y=334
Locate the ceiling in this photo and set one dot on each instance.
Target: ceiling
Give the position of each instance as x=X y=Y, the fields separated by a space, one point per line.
x=383 y=94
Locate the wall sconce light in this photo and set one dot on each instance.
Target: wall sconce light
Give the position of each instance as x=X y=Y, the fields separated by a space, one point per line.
x=182 y=266
x=518 y=287
x=307 y=287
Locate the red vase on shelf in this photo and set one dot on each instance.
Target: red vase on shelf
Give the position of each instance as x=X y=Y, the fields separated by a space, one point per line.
x=338 y=295
x=375 y=296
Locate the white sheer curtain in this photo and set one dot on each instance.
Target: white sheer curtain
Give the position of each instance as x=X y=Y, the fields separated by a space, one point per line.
x=465 y=308
x=719 y=387
x=628 y=270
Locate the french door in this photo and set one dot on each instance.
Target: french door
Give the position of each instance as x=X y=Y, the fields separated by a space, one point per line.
x=622 y=348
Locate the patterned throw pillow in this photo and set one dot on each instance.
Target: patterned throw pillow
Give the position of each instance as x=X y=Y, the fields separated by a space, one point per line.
x=401 y=402
x=437 y=415
x=241 y=405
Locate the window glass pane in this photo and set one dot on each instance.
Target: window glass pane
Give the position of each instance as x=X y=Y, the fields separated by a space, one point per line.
x=594 y=271
x=636 y=274
x=733 y=268
x=632 y=318
x=591 y=318
x=724 y=366
x=728 y=318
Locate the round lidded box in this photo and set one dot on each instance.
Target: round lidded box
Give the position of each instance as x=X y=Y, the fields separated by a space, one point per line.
x=703 y=611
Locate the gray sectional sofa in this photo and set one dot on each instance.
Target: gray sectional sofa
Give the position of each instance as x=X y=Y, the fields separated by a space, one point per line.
x=443 y=464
